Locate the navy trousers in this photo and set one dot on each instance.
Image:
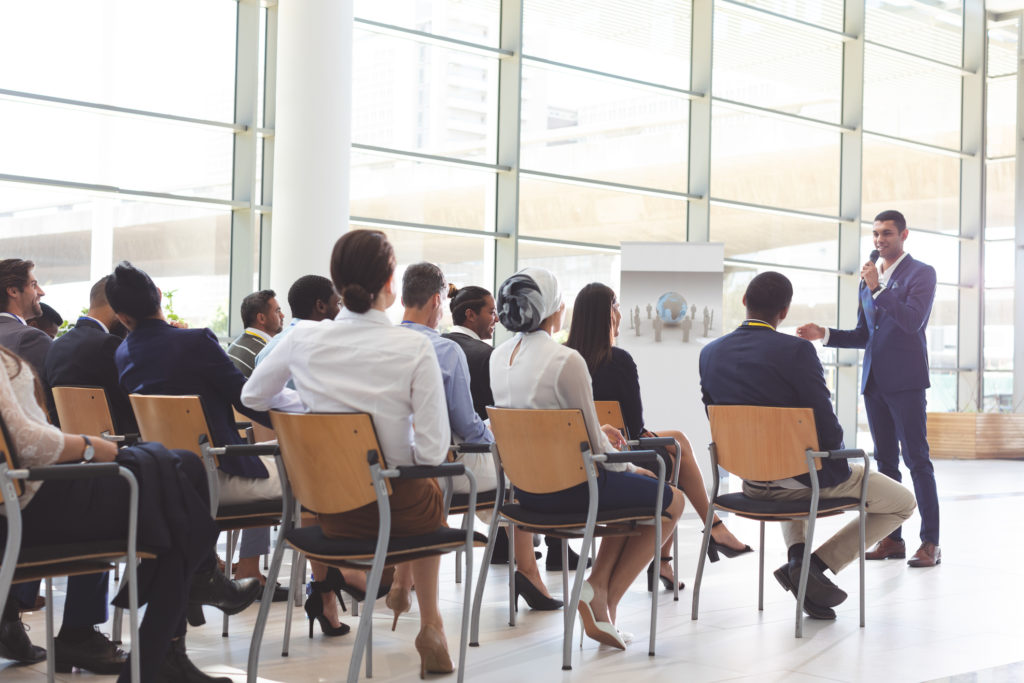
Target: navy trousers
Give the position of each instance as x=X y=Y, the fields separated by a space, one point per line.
x=898 y=424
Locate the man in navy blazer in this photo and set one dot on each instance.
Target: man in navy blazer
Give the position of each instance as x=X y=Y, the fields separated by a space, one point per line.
x=894 y=310
x=158 y=358
x=755 y=365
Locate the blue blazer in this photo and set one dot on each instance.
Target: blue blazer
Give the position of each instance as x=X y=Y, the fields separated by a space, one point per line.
x=156 y=358
x=890 y=329
x=758 y=366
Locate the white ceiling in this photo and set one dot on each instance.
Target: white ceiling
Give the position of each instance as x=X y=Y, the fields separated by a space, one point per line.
x=1000 y=6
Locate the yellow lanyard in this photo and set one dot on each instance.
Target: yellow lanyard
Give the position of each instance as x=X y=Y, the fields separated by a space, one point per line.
x=756 y=323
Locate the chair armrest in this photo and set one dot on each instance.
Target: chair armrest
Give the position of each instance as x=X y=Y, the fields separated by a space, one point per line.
x=449 y=469
x=472 y=448
x=247 y=449
x=648 y=442
x=74 y=471
x=242 y=425
x=641 y=457
x=846 y=454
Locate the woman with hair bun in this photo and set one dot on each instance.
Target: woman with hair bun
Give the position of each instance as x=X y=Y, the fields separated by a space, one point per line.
x=532 y=370
x=361 y=363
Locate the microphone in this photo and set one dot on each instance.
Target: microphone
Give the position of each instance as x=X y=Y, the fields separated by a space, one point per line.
x=874 y=256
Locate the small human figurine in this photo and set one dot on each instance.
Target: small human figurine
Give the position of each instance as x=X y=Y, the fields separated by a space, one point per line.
x=687 y=325
x=648 y=311
x=658 y=325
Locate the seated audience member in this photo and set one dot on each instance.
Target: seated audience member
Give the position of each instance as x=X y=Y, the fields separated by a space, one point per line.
x=361 y=363
x=533 y=371
x=614 y=377
x=474 y=319
x=84 y=356
x=157 y=358
x=756 y=365
x=311 y=297
x=49 y=322
x=263 y=319
x=423 y=292
x=19 y=302
x=84 y=510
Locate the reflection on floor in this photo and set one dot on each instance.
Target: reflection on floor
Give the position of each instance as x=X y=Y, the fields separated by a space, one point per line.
x=957 y=622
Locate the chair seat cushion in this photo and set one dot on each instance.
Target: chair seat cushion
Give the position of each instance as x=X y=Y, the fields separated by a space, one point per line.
x=560 y=520
x=311 y=540
x=460 y=501
x=744 y=505
x=250 y=508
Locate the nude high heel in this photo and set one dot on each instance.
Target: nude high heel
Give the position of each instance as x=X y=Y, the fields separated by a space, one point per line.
x=433 y=650
x=399 y=602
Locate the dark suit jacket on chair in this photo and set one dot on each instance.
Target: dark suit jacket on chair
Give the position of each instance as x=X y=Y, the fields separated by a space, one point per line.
x=28 y=342
x=84 y=356
x=900 y=316
x=478 y=356
x=757 y=366
x=156 y=358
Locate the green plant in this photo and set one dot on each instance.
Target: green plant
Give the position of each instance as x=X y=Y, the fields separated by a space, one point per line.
x=169 y=307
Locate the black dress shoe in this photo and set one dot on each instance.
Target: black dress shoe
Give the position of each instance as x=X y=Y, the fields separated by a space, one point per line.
x=820 y=589
x=15 y=643
x=230 y=596
x=93 y=653
x=811 y=608
x=280 y=593
x=178 y=668
x=553 y=560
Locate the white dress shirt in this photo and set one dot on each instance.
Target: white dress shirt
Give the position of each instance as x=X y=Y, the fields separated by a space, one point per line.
x=546 y=375
x=459 y=329
x=361 y=363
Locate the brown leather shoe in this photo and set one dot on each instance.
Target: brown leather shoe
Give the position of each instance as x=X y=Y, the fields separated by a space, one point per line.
x=887 y=548
x=928 y=555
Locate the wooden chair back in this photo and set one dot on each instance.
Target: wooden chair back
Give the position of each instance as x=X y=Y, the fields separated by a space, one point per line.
x=325 y=457
x=8 y=456
x=83 y=410
x=540 y=449
x=610 y=413
x=759 y=443
x=174 y=421
x=259 y=432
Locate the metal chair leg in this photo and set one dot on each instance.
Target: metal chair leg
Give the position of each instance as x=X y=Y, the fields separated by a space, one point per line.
x=702 y=557
x=261 y=619
x=117 y=625
x=474 y=633
x=232 y=535
x=51 y=672
x=512 y=601
x=760 y=573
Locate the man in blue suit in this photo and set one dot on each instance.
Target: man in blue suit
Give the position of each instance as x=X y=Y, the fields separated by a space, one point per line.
x=157 y=358
x=755 y=365
x=895 y=304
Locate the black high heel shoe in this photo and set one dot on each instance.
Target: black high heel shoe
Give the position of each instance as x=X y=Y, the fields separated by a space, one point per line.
x=315 y=611
x=335 y=582
x=533 y=596
x=714 y=548
x=665 y=581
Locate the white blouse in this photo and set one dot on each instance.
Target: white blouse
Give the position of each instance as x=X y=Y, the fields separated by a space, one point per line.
x=547 y=375
x=361 y=363
x=36 y=441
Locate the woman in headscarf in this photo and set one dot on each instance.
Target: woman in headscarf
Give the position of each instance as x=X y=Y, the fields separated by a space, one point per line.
x=532 y=370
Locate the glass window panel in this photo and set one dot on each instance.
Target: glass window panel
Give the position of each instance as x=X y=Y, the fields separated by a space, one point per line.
x=413 y=96
x=933 y=29
x=941 y=397
x=644 y=39
x=595 y=215
x=999 y=331
x=942 y=331
x=765 y=160
x=827 y=13
x=941 y=253
x=1000 y=257
x=475 y=21
x=176 y=58
x=776 y=64
x=1002 y=117
x=924 y=186
x=911 y=99
x=408 y=190
x=998 y=396
x=186 y=249
x=753 y=236
x=579 y=125
x=142 y=154
x=1002 y=49
x=1000 y=177
x=574 y=268
x=814 y=300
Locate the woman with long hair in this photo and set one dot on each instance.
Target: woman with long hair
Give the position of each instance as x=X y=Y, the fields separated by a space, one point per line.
x=533 y=371
x=361 y=363
x=614 y=377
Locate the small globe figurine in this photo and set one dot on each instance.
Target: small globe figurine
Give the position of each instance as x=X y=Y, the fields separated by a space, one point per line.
x=672 y=308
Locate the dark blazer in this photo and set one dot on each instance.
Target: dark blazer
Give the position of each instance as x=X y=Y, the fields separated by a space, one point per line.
x=758 y=366
x=478 y=356
x=156 y=358
x=891 y=327
x=84 y=356
x=618 y=380
x=28 y=342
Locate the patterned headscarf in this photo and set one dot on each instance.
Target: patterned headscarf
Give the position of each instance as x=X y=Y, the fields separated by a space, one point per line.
x=527 y=298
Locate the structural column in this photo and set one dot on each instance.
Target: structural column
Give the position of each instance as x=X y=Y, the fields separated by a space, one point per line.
x=312 y=137
x=698 y=211
x=1018 y=221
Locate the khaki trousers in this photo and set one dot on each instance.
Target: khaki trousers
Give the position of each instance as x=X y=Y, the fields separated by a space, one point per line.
x=889 y=504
